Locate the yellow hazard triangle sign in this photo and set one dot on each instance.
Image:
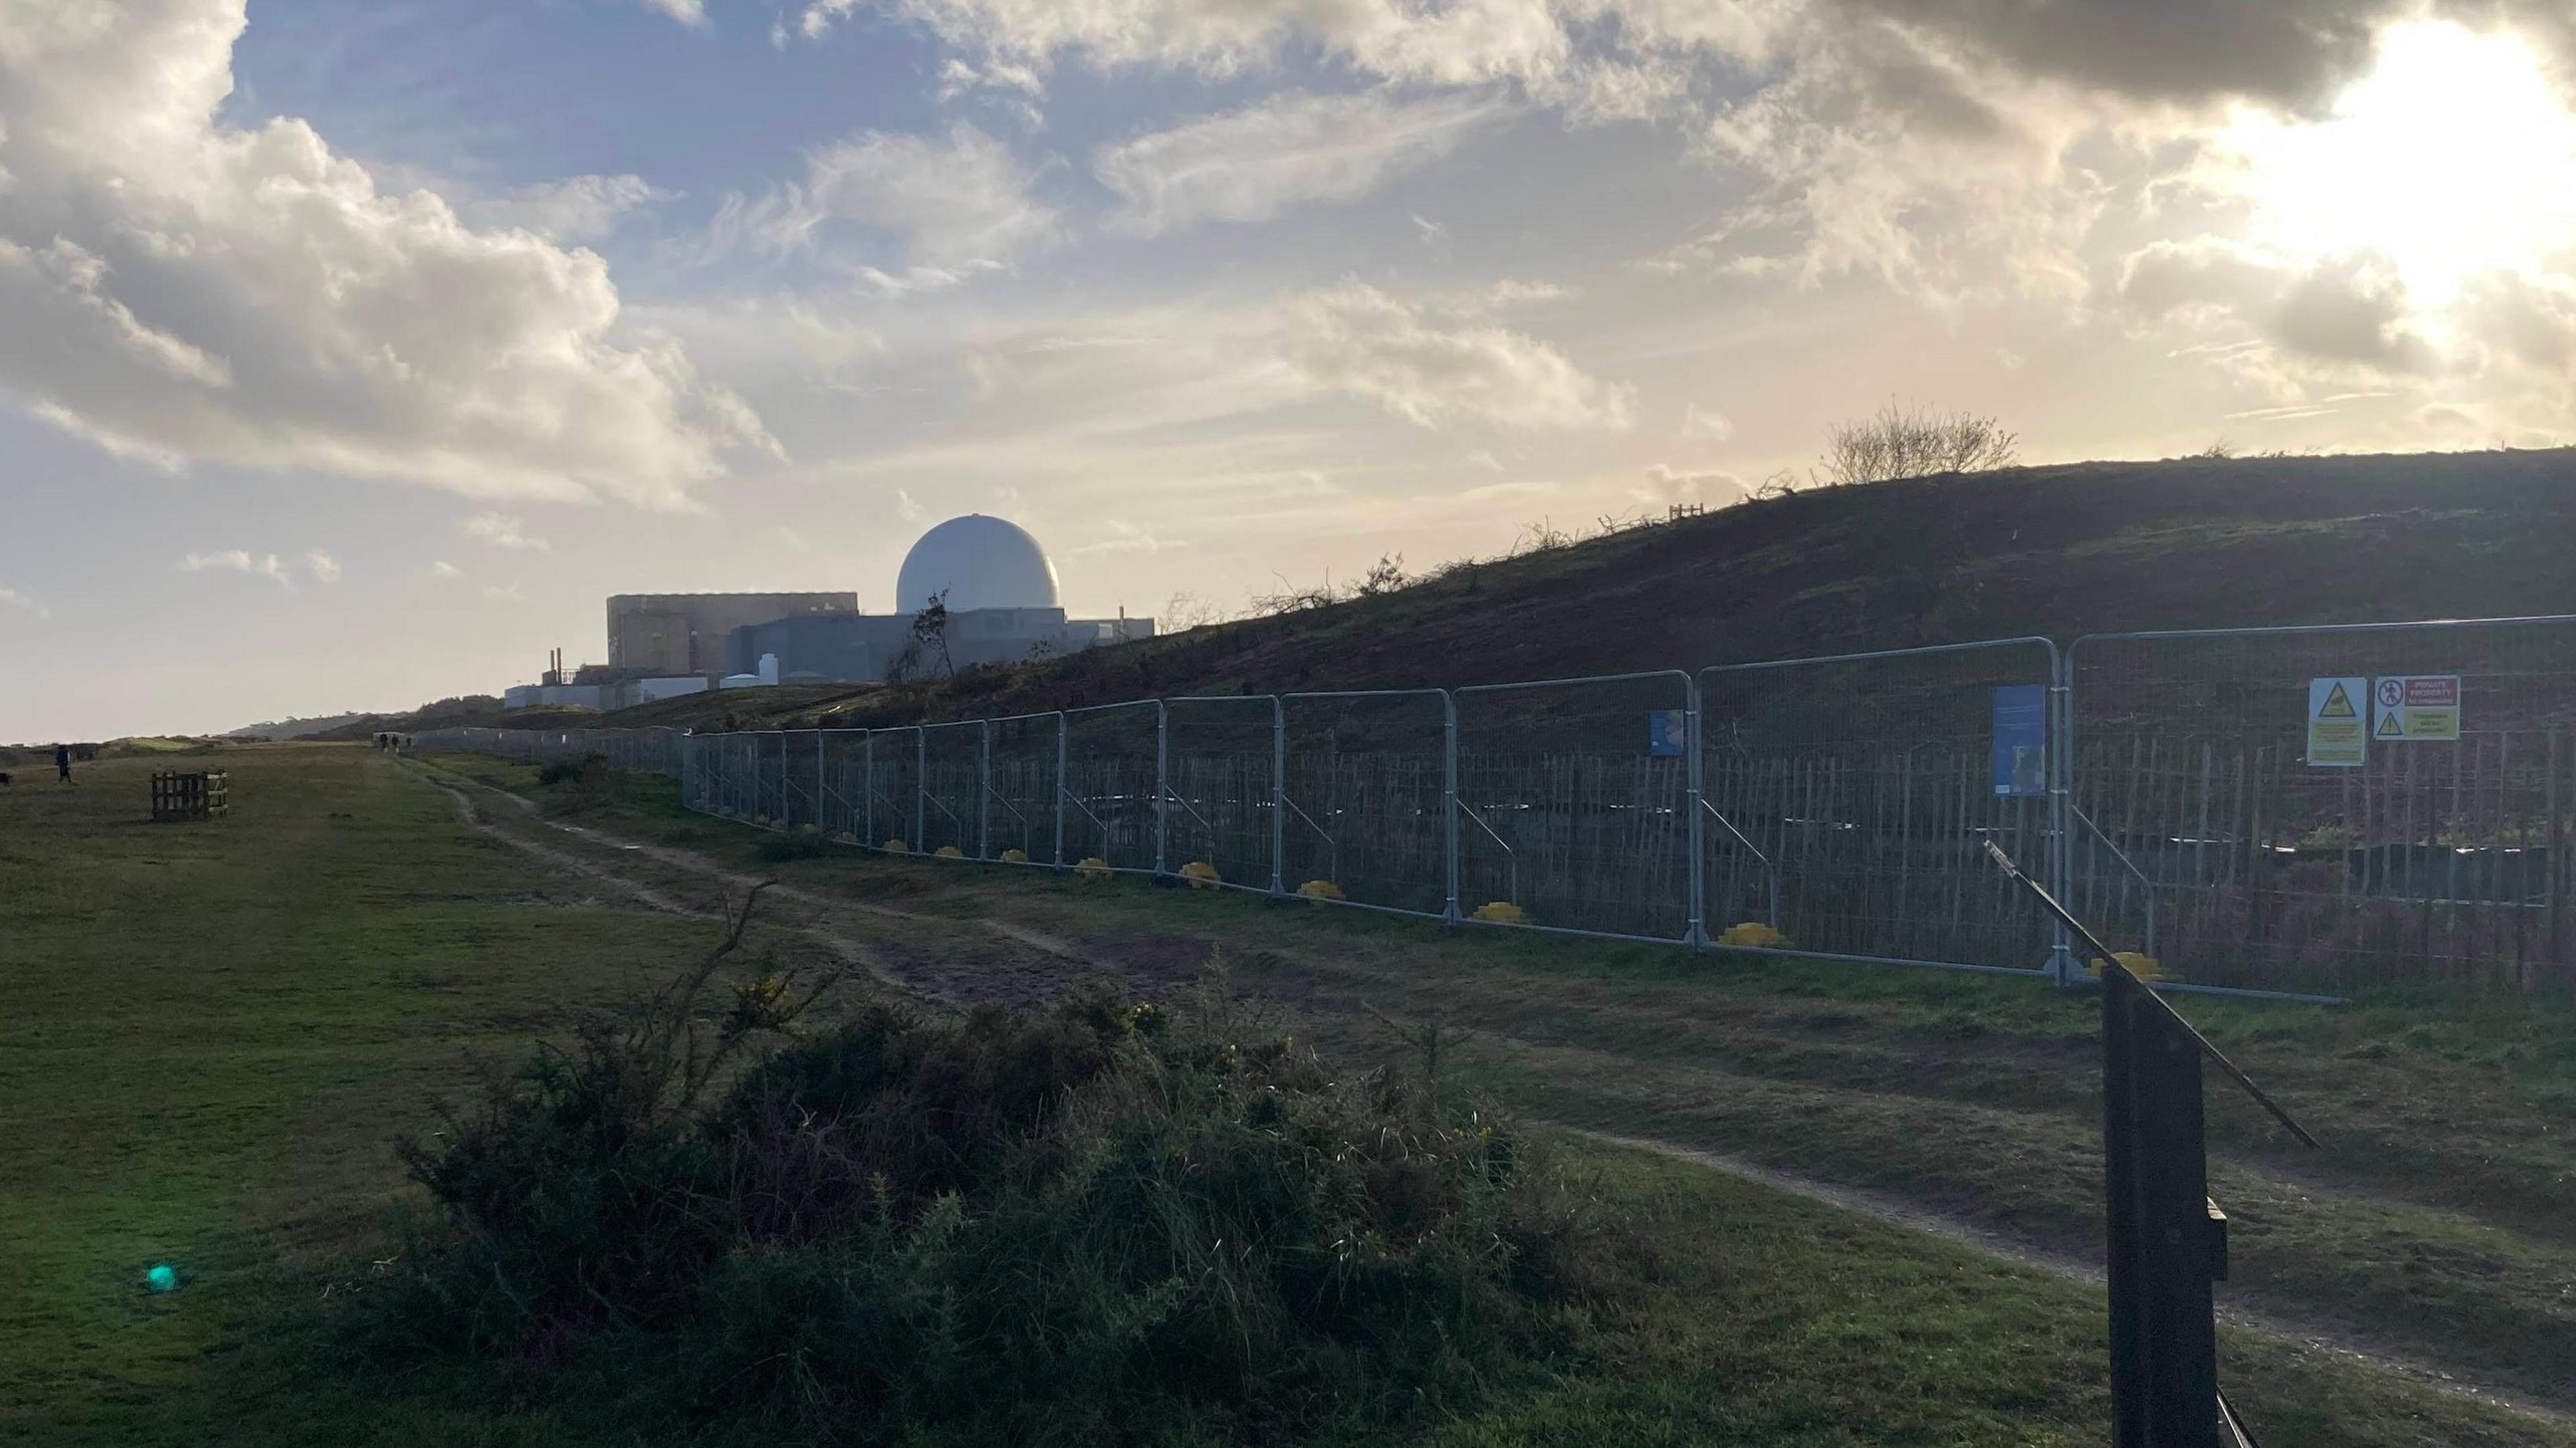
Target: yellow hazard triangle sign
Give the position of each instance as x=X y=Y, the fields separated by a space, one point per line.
x=2338 y=705
x=2389 y=728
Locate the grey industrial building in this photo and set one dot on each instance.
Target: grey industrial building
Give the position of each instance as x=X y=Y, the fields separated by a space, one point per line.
x=671 y=634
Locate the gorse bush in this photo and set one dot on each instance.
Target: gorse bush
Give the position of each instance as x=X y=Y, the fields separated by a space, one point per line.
x=1101 y=1222
x=562 y=771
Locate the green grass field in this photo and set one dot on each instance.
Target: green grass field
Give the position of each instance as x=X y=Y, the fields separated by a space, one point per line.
x=210 y=1033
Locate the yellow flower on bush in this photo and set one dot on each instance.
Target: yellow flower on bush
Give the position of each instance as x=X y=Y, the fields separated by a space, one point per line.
x=1201 y=875
x=1501 y=912
x=1320 y=891
x=1751 y=935
x=1093 y=868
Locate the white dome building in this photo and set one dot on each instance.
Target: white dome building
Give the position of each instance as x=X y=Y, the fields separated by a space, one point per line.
x=980 y=563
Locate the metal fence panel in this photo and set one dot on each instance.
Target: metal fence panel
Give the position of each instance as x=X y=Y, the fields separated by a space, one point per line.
x=893 y=799
x=1023 y=800
x=2417 y=842
x=952 y=763
x=1222 y=789
x=1113 y=785
x=1849 y=800
x=1364 y=798
x=1574 y=805
x=842 y=771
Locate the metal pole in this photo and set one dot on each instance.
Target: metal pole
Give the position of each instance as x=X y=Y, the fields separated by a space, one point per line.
x=1698 y=932
x=822 y=821
x=1162 y=783
x=868 y=777
x=920 y=786
x=1278 y=796
x=984 y=797
x=2063 y=967
x=1062 y=749
x=1449 y=788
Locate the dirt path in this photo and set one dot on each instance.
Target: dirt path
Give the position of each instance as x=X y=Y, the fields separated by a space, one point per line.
x=815 y=915
x=850 y=951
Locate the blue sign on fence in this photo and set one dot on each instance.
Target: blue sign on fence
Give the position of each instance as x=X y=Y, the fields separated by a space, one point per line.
x=2021 y=739
x=1667 y=731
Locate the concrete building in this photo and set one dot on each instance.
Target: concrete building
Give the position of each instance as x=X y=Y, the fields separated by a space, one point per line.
x=672 y=634
x=1002 y=600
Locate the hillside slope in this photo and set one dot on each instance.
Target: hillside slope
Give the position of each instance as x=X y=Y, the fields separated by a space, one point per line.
x=2059 y=551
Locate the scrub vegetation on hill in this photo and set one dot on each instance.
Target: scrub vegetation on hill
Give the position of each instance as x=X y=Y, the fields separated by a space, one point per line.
x=2055 y=551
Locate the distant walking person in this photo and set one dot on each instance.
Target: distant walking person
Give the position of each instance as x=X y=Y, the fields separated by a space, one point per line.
x=63 y=762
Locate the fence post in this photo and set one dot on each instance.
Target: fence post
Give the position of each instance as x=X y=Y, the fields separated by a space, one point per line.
x=1162 y=784
x=868 y=780
x=2063 y=968
x=822 y=819
x=1698 y=932
x=984 y=796
x=1278 y=797
x=920 y=786
x=1449 y=789
x=1063 y=728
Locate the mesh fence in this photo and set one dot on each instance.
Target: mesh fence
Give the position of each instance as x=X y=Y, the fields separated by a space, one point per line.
x=1022 y=796
x=1574 y=805
x=1365 y=796
x=2329 y=809
x=952 y=789
x=894 y=803
x=1220 y=799
x=841 y=769
x=1849 y=801
x=2202 y=797
x=1112 y=775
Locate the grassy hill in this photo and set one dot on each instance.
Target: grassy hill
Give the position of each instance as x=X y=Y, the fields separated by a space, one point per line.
x=2055 y=550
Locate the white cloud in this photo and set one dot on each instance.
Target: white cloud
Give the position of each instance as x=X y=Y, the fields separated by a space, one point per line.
x=1669 y=485
x=692 y=13
x=1706 y=422
x=1460 y=42
x=326 y=569
x=1356 y=339
x=575 y=209
x=11 y=598
x=173 y=286
x=1287 y=151
x=960 y=202
x=444 y=571
x=503 y=530
x=238 y=560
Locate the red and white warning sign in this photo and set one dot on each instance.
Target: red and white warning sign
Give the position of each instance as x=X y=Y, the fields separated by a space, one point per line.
x=2407 y=707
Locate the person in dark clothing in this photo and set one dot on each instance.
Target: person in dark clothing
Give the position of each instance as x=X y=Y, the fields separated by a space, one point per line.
x=63 y=762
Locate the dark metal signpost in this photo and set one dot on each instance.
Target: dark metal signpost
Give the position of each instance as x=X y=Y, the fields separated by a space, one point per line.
x=2168 y=1240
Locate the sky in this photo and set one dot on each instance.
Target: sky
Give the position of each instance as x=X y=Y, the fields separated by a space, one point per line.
x=350 y=356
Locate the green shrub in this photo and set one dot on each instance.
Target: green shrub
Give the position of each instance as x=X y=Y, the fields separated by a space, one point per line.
x=778 y=849
x=572 y=771
x=1096 y=1223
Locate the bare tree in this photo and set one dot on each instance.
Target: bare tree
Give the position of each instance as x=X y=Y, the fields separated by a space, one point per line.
x=1187 y=610
x=929 y=642
x=1384 y=576
x=1913 y=442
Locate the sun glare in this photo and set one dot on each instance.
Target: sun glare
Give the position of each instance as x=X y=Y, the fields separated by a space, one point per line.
x=2453 y=157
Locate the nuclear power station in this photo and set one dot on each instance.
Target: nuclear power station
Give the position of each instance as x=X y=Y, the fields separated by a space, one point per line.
x=998 y=590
